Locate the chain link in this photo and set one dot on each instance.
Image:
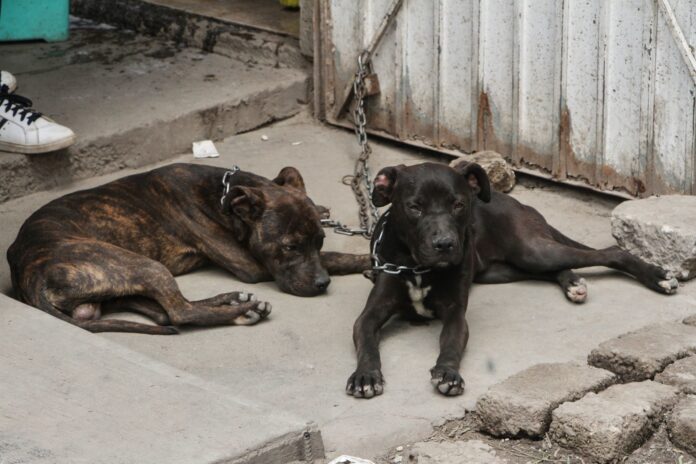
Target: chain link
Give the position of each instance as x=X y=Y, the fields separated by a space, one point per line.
x=226 y=183
x=391 y=268
x=361 y=182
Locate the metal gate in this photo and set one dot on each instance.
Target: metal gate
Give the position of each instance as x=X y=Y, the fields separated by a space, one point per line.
x=601 y=92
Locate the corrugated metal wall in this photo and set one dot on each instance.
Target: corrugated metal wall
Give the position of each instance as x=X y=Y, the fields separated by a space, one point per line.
x=588 y=90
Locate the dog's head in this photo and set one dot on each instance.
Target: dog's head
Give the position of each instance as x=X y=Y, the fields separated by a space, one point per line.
x=282 y=227
x=432 y=207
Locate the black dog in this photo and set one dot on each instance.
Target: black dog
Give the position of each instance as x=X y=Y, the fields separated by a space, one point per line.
x=446 y=229
x=119 y=245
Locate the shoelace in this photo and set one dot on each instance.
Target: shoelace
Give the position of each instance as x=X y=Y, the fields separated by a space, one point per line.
x=17 y=104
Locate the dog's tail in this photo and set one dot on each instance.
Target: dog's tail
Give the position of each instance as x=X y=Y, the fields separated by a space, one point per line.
x=105 y=325
x=117 y=325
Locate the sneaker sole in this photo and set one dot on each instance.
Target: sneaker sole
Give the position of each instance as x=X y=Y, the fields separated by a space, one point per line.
x=37 y=149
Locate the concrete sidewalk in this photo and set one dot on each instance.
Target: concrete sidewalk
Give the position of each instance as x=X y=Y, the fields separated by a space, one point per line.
x=298 y=360
x=71 y=397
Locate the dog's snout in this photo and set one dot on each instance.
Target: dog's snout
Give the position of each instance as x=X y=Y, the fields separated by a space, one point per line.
x=322 y=282
x=444 y=243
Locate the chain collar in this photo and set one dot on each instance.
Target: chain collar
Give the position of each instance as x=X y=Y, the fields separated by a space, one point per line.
x=390 y=268
x=226 y=183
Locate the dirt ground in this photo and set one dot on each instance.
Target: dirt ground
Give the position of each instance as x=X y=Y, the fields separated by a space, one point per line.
x=657 y=450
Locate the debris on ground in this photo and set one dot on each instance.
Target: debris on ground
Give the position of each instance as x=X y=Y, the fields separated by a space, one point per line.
x=205 y=149
x=499 y=171
x=345 y=459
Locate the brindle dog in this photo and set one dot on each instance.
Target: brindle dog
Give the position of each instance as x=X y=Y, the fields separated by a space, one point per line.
x=120 y=245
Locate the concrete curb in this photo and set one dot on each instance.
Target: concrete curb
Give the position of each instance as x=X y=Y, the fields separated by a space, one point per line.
x=78 y=397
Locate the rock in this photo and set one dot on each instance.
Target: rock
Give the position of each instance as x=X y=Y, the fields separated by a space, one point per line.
x=641 y=354
x=660 y=230
x=469 y=452
x=681 y=374
x=522 y=404
x=691 y=320
x=500 y=173
x=610 y=424
x=682 y=424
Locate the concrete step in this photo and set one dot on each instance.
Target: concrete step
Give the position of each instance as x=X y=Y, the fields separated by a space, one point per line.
x=250 y=29
x=72 y=396
x=134 y=100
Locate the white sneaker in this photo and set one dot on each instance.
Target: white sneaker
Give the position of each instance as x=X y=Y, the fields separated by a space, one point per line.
x=23 y=130
x=8 y=83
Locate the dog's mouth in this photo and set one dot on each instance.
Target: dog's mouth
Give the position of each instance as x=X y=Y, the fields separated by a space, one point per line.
x=300 y=289
x=436 y=262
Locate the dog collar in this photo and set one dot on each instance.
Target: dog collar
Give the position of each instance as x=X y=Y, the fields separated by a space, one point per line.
x=226 y=183
x=391 y=268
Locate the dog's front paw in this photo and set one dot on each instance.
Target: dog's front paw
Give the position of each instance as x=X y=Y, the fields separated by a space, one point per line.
x=365 y=384
x=259 y=310
x=447 y=381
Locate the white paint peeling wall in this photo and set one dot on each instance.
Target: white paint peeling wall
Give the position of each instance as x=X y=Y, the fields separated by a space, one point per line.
x=590 y=90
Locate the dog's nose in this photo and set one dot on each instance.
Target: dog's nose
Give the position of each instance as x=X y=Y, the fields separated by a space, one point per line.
x=322 y=282
x=443 y=244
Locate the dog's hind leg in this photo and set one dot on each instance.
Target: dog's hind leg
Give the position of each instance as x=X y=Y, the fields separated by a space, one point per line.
x=543 y=255
x=72 y=284
x=574 y=287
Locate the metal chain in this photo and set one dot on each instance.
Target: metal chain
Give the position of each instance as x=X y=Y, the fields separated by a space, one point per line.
x=361 y=183
x=391 y=268
x=361 y=180
x=226 y=183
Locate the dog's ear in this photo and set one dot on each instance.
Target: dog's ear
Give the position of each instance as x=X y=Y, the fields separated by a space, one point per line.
x=290 y=177
x=383 y=185
x=247 y=203
x=477 y=178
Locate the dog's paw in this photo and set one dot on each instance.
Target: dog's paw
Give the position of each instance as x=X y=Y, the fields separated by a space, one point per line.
x=365 y=384
x=259 y=311
x=661 y=280
x=669 y=284
x=241 y=297
x=577 y=291
x=447 y=381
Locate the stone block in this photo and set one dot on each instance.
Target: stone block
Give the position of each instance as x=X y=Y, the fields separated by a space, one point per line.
x=682 y=424
x=499 y=171
x=522 y=404
x=641 y=354
x=611 y=424
x=691 y=320
x=681 y=374
x=660 y=230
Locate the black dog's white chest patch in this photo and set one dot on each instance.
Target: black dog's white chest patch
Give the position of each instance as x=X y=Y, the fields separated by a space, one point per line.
x=417 y=294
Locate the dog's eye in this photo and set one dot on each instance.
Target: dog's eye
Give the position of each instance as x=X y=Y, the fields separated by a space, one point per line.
x=459 y=205
x=290 y=247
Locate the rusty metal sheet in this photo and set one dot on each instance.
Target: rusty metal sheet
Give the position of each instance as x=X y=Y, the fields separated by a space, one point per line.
x=582 y=91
